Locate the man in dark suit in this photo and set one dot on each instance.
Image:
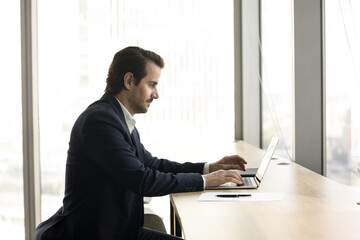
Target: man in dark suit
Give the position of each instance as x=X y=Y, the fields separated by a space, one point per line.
x=108 y=170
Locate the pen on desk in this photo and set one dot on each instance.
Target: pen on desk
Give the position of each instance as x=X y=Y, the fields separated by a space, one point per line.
x=233 y=195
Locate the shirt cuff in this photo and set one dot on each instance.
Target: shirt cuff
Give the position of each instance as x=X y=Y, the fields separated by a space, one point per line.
x=204 y=181
x=205 y=171
x=206 y=168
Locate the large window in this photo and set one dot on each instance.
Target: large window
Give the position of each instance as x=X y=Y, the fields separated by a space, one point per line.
x=342 y=27
x=77 y=40
x=276 y=80
x=11 y=159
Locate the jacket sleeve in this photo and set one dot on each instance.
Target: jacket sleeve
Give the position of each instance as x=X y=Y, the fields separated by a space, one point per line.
x=105 y=144
x=164 y=165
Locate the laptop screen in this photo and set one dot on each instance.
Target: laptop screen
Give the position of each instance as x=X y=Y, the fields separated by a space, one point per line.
x=267 y=158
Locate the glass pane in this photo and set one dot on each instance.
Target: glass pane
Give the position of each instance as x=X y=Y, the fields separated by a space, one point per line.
x=196 y=87
x=342 y=90
x=11 y=158
x=277 y=73
x=61 y=93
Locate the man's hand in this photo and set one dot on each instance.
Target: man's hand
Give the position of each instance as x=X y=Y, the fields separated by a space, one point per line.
x=228 y=162
x=222 y=176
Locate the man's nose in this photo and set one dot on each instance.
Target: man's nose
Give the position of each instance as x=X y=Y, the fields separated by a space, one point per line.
x=155 y=94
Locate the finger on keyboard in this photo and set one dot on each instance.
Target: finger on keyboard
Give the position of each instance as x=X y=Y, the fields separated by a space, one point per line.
x=229 y=184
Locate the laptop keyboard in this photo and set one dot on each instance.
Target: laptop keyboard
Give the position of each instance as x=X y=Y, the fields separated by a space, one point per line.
x=249 y=181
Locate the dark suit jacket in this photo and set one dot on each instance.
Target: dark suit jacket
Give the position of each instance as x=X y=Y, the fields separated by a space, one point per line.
x=107 y=176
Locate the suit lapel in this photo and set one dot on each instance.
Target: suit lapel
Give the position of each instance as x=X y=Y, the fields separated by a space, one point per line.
x=133 y=139
x=116 y=106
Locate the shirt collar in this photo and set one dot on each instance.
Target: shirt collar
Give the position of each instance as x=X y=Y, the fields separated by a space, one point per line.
x=130 y=121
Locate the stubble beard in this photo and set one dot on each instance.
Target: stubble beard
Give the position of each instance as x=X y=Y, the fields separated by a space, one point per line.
x=139 y=106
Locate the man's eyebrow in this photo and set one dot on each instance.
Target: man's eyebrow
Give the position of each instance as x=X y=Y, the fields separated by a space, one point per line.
x=153 y=81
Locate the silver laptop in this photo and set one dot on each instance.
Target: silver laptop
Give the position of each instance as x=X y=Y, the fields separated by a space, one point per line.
x=255 y=180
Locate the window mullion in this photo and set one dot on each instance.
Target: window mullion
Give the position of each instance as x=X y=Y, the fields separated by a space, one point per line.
x=31 y=163
x=308 y=86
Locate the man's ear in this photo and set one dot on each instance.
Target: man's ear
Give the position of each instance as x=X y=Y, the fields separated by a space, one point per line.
x=128 y=80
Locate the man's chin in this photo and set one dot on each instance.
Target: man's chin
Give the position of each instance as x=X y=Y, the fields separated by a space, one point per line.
x=143 y=110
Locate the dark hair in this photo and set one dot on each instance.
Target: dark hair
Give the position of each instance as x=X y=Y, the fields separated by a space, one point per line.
x=130 y=59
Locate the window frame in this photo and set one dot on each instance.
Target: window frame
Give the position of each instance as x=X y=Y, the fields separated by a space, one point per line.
x=309 y=124
x=309 y=85
x=30 y=117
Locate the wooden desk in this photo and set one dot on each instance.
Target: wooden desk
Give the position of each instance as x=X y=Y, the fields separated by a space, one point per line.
x=314 y=207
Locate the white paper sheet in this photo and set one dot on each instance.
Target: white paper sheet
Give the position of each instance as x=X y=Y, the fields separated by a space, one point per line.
x=214 y=196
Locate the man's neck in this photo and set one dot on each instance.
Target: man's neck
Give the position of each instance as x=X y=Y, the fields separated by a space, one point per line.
x=130 y=121
x=122 y=98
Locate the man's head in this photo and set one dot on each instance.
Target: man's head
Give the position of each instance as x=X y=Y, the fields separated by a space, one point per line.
x=133 y=77
x=133 y=60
